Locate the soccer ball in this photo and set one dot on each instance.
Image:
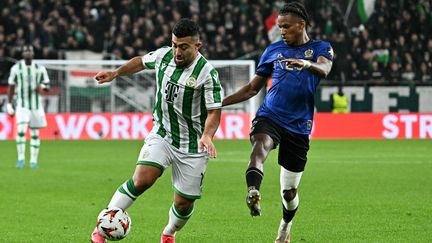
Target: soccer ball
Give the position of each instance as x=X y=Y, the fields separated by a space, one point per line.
x=113 y=223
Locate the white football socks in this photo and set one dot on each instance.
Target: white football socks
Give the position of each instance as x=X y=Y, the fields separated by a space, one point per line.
x=176 y=221
x=125 y=195
x=21 y=140
x=34 y=145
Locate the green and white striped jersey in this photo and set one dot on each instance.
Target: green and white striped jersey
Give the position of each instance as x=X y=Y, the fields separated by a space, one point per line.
x=183 y=96
x=27 y=80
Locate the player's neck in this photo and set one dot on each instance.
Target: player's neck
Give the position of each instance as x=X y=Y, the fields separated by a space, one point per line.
x=193 y=60
x=302 y=40
x=27 y=62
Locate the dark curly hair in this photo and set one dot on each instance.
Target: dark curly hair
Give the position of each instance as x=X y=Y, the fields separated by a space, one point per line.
x=296 y=9
x=185 y=27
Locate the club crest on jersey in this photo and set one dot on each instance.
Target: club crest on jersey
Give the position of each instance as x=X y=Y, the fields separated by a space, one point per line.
x=191 y=82
x=308 y=53
x=145 y=154
x=309 y=125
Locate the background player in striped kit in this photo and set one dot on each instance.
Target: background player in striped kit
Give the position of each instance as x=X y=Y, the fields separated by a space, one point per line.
x=186 y=115
x=27 y=80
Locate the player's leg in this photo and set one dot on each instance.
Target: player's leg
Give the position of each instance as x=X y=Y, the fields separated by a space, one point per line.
x=143 y=178
x=262 y=144
x=152 y=160
x=179 y=214
x=187 y=176
x=289 y=182
x=22 y=118
x=264 y=138
x=37 y=120
x=21 y=143
x=34 y=147
x=292 y=158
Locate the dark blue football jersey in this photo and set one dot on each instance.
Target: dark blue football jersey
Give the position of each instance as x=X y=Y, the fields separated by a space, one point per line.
x=290 y=100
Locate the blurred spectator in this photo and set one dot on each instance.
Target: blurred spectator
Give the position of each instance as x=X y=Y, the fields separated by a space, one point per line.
x=408 y=75
x=354 y=72
x=393 y=75
x=394 y=57
x=425 y=74
x=4 y=67
x=376 y=74
x=381 y=54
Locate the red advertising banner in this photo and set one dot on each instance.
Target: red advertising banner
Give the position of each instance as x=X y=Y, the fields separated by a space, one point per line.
x=372 y=126
x=71 y=126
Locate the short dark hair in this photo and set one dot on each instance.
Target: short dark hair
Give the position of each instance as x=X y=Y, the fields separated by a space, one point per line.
x=296 y=9
x=185 y=27
x=27 y=48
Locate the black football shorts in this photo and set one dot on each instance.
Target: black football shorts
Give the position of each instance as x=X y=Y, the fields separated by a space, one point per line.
x=293 y=147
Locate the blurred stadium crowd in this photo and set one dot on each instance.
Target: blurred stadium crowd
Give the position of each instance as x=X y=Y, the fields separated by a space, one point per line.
x=393 y=47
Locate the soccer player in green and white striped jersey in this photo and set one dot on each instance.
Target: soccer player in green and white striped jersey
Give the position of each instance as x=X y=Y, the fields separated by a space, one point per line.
x=186 y=115
x=27 y=80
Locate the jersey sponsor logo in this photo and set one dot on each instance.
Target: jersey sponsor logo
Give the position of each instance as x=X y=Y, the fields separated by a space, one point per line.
x=308 y=53
x=191 y=82
x=171 y=91
x=291 y=67
x=279 y=55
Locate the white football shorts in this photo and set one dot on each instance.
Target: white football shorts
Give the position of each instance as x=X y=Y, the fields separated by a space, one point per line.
x=35 y=118
x=188 y=169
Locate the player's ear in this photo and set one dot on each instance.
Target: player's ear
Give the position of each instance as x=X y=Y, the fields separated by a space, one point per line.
x=198 y=45
x=302 y=24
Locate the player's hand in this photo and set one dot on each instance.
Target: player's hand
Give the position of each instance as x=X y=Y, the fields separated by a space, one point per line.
x=206 y=144
x=104 y=77
x=10 y=110
x=43 y=89
x=292 y=61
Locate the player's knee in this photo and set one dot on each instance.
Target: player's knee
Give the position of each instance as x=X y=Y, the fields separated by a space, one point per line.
x=21 y=129
x=260 y=150
x=142 y=182
x=34 y=133
x=184 y=206
x=289 y=195
x=262 y=142
x=144 y=177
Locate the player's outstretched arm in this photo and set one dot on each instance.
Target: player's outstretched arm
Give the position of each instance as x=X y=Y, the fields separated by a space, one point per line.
x=211 y=125
x=321 y=67
x=132 y=66
x=246 y=92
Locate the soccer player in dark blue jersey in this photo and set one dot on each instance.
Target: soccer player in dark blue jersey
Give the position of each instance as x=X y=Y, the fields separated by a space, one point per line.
x=296 y=64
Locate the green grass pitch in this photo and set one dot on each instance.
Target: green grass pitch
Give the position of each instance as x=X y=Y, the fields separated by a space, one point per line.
x=351 y=191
